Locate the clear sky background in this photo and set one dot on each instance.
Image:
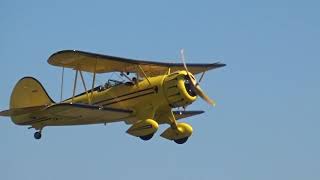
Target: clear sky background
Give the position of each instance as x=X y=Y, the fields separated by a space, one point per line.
x=266 y=123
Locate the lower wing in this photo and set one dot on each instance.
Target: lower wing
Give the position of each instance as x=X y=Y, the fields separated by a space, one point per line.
x=66 y=114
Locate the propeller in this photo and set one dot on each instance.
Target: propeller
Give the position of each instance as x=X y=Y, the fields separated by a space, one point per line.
x=194 y=84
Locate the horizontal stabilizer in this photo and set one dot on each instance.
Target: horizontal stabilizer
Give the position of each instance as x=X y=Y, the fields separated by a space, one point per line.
x=20 y=111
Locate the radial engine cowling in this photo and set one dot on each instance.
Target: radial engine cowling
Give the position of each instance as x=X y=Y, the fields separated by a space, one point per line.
x=183 y=130
x=178 y=91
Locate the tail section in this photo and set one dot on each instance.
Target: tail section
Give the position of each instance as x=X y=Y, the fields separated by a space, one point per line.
x=28 y=92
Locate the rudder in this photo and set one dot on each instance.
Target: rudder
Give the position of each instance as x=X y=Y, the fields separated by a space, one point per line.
x=28 y=92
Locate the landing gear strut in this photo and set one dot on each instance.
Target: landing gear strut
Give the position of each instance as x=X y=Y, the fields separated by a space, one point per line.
x=37 y=135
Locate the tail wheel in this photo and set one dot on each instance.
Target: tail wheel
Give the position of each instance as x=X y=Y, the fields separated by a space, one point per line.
x=147 y=137
x=37 y=135
x=181 y=141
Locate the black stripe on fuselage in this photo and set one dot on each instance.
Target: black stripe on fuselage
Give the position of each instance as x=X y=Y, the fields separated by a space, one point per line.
x=128 y=99
x=124 y=95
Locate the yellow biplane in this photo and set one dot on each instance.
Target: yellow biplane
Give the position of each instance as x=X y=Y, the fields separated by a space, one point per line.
x=143 y=101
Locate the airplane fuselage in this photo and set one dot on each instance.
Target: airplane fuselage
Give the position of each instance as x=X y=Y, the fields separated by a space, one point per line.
x=149 y=98
x=145 y=97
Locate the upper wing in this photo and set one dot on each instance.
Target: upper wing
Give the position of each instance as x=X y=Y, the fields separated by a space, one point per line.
x=91 y=62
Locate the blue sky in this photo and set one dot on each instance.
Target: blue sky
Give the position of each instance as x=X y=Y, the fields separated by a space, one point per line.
x=265 y=126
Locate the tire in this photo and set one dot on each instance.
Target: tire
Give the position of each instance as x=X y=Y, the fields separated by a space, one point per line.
x=181 y=141
x=37 y=135
x=147 y=137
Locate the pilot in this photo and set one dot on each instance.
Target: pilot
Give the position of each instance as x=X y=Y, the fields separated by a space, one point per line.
x=134 y=80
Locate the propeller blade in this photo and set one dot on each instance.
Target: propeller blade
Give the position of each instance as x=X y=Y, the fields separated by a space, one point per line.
x=183 y=60
x=185 y=66
x=195 y=86
x=197 y=89
x=200 y=92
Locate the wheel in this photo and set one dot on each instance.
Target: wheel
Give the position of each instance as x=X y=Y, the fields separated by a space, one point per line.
x=37 y=135
x=147 y=137
x=181 y=141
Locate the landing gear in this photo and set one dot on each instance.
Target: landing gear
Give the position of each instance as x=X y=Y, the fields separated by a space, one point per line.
x=181 y=141
x=37 y=135
x=147 y=137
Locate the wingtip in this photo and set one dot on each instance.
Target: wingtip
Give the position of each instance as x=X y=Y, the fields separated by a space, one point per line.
x=5 y=113
x=219 y=64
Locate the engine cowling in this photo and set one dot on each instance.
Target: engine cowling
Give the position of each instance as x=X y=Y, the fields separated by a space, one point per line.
x=183 y=130
x=143 y=128
x=178 y=91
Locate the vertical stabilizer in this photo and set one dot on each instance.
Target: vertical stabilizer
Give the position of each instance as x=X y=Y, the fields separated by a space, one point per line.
x=28 y=92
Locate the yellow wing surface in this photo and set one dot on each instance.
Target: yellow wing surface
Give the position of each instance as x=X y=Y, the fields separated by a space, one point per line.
x=66 y=114
x=91 y=62
x=75 y=114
